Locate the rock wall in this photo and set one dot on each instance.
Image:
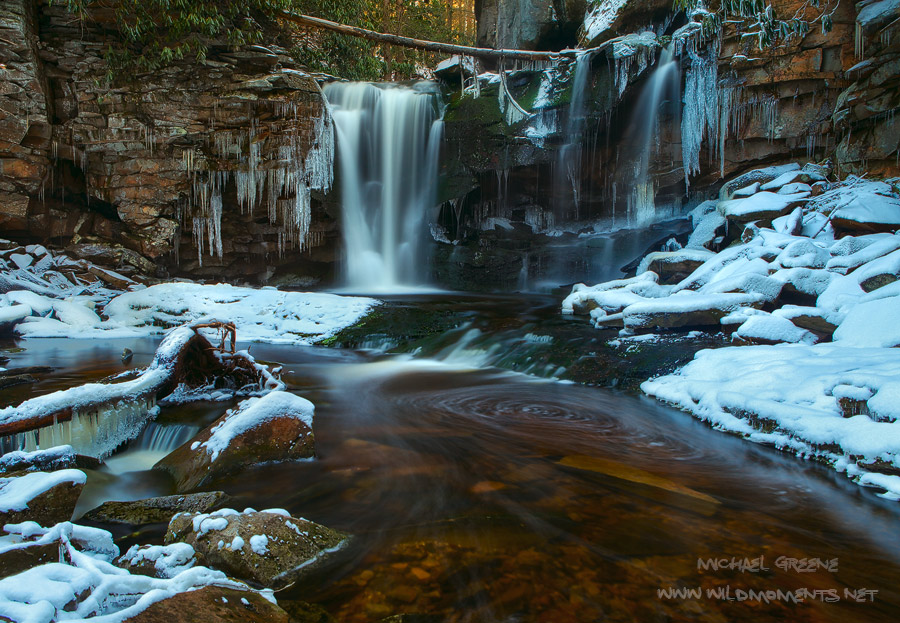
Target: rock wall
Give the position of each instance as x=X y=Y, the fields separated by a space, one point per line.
x=204 y=168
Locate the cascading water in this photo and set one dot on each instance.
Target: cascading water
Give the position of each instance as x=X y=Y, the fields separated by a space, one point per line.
x=662 y=89
x=388 y=147
x=567 y=175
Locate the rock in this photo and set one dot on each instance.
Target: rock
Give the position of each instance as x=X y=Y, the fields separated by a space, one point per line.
x=47 y=498
x=276 y=427
x=878 y=273
x=608 y=18
x=688 y=310
x=763 y=206
x=303 y=612
x=15 y=560
x=769 y=329
x=213 y=604
x=51 y=459
x=157 y=510
x=673 y=266
x=756 y=176
x=28 y=545
x=815 y=319
x=265 y=547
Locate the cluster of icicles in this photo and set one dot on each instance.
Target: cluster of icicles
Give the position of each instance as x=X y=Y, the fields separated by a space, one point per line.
x=279 y=177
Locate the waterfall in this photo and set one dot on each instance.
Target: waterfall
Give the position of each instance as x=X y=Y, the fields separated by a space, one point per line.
x=388 y=141
x=567 y=174
x=164 y=437
x=662 y=88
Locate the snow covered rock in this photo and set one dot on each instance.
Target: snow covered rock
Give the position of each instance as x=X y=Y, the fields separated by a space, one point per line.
x=757 y=176
x=268 y=547
x=159 y=561
x=51 y=459
x=213 y=604
x=814 y=319
x=673 y=266
x=82 y=583
x=276 y=427
x=879 y=272
x=771 y=329
x=687 y=310
x=47 y=498
x=763 y=206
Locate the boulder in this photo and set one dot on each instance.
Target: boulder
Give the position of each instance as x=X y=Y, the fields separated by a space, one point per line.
x=213 y=604
x=673 y=266
x=47 y=498
x=157 y=510
x=756 y=176
x=51 y=459
x=608 y=18
x=267 y=547
x=158 y=561
x=687 y=310
x=878 y=273
x=276 y=427
x=763 y=206
x=814 y=319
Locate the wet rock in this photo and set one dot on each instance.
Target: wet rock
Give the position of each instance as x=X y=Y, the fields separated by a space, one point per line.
x=51 y=459
x=303 y=612
x=159 y=509
x=276 y=427
x=269 y=548
x=42 y=497
x=213 y=604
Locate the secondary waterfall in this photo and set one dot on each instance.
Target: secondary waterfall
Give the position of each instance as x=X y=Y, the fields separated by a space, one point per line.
x=388 y=140
x=662 y=88
x=567 y=173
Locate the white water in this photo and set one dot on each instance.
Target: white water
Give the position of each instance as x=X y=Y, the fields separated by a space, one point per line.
x=567 y=174
x=388 y=140
x=662 y=87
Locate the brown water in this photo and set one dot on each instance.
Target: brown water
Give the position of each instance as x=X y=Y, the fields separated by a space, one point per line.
x=480 y=495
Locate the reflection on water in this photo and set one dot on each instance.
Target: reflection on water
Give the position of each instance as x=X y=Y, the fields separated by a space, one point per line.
x=479 y=495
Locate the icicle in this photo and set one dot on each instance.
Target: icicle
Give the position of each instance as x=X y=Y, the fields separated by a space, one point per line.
x=700 y=116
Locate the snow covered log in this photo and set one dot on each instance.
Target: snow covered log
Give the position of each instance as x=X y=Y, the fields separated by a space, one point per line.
x=95 y=418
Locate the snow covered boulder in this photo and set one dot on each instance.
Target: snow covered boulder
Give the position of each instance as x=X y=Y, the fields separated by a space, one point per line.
x=46 y=498
x=763 y=206
x=879 y=272
x=276 y=427
x=757 y=177
x=770 y=329
x=213 y=604
x=267 y=547
x=873 y=323
x=687 y=309
x=51 y=459
x=673 y=266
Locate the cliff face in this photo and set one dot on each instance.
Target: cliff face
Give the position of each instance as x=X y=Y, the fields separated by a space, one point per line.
x=202 y=168
x=827 y=95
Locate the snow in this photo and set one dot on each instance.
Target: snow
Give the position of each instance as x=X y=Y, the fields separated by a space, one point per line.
x=838 y=399
x=21 y=260
x=873 y=323
x=724 y=386
x=259 y=543
x=772 y=328
x=666 y=257
x=760 y=204
x=168 y=560
x=17 y=492
x=253 y=412
x=261 y=315
x=601 y=18
x=50 y=457
x=86 y=585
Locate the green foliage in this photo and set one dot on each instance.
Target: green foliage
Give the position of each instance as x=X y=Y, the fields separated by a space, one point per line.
x=155 y=33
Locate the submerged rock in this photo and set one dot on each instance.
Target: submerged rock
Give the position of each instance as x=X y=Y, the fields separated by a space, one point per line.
x=267 y=547
x=276 y=427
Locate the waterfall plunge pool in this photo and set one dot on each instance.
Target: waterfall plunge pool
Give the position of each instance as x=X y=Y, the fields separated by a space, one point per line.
x=478 y=494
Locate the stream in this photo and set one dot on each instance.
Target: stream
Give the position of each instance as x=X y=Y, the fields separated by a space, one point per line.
x=476 y=493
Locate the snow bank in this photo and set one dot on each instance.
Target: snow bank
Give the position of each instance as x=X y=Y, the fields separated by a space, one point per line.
x=838 y=400
x=795 y=392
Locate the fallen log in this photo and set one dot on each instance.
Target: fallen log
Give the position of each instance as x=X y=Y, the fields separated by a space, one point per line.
x=434 y=46
x=96 y=418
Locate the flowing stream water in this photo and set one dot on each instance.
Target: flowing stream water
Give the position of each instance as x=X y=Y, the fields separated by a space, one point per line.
x=478 y=494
